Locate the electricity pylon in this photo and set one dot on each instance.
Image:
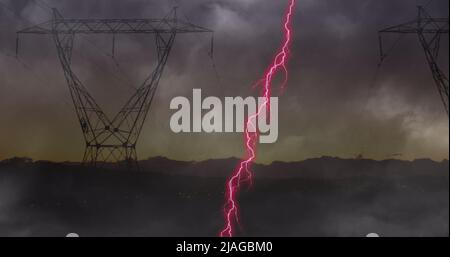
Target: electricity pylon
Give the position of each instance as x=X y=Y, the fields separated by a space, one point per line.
x=112 y=139
x=429 y=31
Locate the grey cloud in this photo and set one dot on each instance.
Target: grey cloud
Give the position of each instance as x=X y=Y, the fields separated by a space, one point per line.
x=330 y=93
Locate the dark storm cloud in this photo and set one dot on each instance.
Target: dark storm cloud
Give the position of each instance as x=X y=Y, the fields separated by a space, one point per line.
x=332 y=106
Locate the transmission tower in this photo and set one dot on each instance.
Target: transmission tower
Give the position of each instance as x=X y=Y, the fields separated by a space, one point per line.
x=429 y=31
x=112 y=140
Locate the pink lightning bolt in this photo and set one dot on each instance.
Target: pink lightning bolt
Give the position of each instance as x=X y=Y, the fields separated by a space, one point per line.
x=243 y=174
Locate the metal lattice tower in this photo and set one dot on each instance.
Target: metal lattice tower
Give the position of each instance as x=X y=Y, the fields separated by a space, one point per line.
x=112 y=140
x=429 y=31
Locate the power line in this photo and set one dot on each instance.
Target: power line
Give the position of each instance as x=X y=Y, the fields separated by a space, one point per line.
x=100 y=51
x=34 y=74
x=46 y=7
x=429 y=31
x=384 y=54
x=176 y=4
x=18 y=60
x=100 y=68
x=119 y=135
x=42 y=4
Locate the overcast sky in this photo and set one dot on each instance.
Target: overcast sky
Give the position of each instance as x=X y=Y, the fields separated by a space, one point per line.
x=334 y=104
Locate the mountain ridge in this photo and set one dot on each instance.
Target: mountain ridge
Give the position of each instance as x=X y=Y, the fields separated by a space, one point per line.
x=322 y=167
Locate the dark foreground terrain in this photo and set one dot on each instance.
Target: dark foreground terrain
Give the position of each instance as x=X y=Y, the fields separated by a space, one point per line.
x=317 y=197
